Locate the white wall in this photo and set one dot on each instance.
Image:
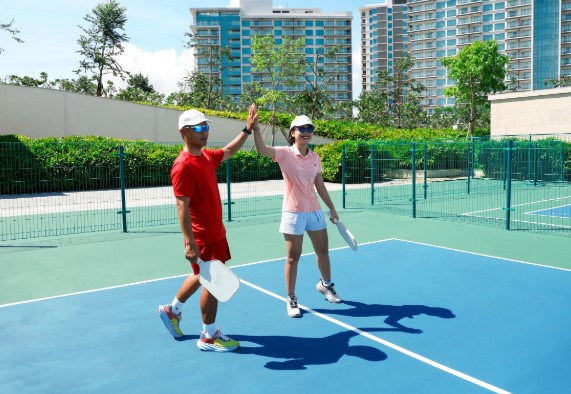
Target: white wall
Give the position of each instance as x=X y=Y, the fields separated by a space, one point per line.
x=39 y=113
x=545 y=111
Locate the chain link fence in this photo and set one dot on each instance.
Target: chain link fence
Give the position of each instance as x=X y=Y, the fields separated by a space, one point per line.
x=516 y=183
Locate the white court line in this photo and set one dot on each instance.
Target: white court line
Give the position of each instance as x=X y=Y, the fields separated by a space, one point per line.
x=483 y=255
x=365 y=334
x=516 y=205
x=512 y=220
x=386 y=343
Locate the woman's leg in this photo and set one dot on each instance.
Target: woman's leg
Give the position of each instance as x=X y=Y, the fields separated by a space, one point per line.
x=293 y=252
x=320 y=243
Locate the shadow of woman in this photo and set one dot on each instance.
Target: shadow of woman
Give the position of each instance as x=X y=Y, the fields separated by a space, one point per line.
x=393 y=313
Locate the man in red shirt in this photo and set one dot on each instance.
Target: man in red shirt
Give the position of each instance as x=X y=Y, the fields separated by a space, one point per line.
x=199 y=211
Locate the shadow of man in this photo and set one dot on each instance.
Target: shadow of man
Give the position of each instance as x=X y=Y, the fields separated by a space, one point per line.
x=393 y=314
x=298 y=353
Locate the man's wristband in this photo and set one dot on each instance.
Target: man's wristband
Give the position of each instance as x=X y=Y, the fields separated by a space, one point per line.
x=245 y=130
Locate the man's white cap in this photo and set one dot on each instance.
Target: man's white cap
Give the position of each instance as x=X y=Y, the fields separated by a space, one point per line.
x=191 y=117
x=300 y=120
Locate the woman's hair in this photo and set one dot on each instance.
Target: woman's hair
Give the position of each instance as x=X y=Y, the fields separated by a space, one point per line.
x=290 y=138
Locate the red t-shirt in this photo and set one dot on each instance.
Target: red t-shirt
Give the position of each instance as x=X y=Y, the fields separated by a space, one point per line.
x=195 y=177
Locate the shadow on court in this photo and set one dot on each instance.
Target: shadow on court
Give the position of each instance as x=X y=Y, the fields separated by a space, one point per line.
x=297 y=353
x=300 y=352
x=394 y=313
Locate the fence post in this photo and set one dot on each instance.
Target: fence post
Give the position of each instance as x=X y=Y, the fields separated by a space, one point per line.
x=343 y=166
x=529 y=146
x=562 y=159
x=535 y=164
x=425 y=186
x=413 y=180
x=123 y=211
x=505 y=153
x=509 y=183
x=372 y=163
x=228 y=184
x=469 y=167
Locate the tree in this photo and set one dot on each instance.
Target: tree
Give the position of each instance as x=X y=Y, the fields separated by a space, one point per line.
x=561 y=82
x=373 y=107
x=197 y=86
x=213 y=56
x=139 y=89
x=477 y=70
x=42 y=82
x=12 y=30
x=276 y=66
x=250 y=93
x=319 y=71
x=404 y=93
x=83 y=84
x=103 y=43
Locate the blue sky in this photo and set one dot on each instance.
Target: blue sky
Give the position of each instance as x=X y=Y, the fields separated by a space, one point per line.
x=156 y=30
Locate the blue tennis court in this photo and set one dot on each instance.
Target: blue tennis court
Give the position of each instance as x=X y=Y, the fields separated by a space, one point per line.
x=563 y=211
x=415 y=318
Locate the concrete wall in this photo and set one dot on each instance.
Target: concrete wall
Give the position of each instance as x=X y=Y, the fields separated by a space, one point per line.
x=38 y=113
x=538 y=112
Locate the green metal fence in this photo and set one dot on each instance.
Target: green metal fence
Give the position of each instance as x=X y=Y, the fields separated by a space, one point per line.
x=57 y=190
x=516 y=183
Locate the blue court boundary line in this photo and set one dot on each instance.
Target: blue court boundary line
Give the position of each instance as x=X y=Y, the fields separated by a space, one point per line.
x=365 y=334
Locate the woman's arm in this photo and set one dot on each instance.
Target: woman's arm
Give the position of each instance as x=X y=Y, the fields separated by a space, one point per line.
x=324 y=194
x=261 y=146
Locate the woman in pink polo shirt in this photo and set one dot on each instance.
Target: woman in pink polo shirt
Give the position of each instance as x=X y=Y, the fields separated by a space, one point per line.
x=301 y=211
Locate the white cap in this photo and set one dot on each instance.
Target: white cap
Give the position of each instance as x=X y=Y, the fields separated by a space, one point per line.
x=300 y=120
x=191 y=117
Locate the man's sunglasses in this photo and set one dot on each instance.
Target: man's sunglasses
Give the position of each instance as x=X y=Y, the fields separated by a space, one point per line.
x=198 y=128
x=303 y=129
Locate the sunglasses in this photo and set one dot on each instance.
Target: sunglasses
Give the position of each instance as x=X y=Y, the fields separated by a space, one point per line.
x=303 y=129
x=198 y=128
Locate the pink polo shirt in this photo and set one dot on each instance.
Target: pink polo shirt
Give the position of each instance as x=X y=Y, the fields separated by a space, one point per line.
x=299 y=178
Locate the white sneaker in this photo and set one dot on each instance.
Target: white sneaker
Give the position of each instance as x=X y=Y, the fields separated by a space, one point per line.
x=292 y=308
x=328 y=291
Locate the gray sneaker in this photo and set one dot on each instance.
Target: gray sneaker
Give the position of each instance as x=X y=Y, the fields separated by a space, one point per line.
x=328 y=291
x=292 y=308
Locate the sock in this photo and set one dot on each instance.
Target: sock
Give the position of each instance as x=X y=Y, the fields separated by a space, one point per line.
x=326 y=283
x=176 y=306
x=209 y=329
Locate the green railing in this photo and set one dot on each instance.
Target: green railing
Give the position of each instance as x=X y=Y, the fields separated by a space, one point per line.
x=516 y=183
x=58 y=189
x=513 y=183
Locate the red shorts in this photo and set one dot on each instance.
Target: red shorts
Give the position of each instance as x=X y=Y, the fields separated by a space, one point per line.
x=218 y=250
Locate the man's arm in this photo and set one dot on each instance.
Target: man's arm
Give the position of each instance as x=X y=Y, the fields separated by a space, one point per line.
x=191 y=251
x=235 y=145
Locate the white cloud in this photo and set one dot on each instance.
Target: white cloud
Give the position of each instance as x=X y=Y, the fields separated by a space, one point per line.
x=234 y=3
x=164 y=68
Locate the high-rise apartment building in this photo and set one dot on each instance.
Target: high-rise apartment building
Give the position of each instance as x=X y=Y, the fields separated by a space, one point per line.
x=235 y=27
x=535 y=34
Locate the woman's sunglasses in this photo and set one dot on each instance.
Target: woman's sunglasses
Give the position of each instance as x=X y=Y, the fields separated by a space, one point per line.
x=303 y=129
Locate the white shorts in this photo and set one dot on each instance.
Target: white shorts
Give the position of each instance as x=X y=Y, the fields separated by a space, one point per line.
x=296 y=223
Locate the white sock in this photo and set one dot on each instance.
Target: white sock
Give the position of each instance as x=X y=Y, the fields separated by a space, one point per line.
x=176 y=306
x=209 y=329
x=326 y=283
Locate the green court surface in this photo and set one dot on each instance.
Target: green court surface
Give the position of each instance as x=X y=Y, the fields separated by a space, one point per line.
x=45 y=267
